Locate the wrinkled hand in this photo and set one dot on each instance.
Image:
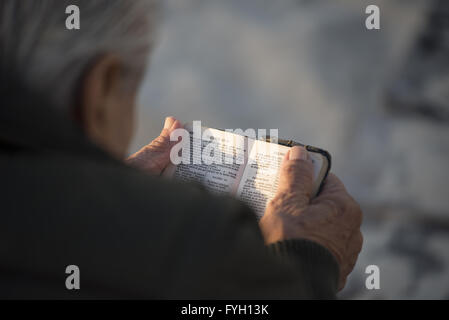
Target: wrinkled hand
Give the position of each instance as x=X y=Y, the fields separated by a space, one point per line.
x=332 y=219
x=155 y=156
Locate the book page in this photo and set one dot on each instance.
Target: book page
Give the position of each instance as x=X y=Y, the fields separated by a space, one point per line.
x=254 y=178
x=260 y=178
x=221 y=177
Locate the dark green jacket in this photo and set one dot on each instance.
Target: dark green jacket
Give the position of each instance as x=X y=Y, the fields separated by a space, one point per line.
x=64 y=201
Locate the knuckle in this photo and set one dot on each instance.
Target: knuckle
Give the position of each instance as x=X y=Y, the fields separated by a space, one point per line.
x=349 y=206
x=330 y=206
x=277 y=202
x=162 y=140
x=291 y=168
x=297 y=166
x=273 y=203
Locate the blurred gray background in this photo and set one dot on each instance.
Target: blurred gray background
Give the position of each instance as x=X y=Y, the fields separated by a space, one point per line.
x=311 y=69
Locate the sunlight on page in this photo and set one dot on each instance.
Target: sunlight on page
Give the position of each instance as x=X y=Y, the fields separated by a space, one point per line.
x=260 y=179
x=218 y=178
x=243 y=167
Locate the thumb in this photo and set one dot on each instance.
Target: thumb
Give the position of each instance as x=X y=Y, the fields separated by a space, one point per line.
x=296 y=175
x=170 y=125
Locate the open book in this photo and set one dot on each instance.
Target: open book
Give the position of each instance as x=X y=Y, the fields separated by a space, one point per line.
x=249 y=168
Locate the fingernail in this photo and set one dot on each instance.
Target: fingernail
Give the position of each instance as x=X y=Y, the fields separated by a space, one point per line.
x=298 y=153
x=167 y=123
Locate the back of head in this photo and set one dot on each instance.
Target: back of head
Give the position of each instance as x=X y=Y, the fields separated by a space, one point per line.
x=37 y=49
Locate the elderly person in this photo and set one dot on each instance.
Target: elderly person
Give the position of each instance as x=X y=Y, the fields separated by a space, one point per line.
x=69 y=198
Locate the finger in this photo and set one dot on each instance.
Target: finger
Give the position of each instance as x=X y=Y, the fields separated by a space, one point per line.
x=175 y=125
x=165 y=134
x=332 y=184
x=170 y=125
x=169 y=122
x=296 y=175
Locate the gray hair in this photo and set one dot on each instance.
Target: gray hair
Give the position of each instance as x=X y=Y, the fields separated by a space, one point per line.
x=50 y=59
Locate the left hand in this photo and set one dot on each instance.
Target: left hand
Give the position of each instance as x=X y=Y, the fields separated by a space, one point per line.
x=155 y=156
x=332 y=219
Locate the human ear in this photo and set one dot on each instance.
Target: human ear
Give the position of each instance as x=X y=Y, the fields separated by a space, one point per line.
x=99 y=97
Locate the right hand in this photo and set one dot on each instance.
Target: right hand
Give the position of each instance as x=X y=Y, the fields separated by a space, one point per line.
x=332 y=219
x=155 y=156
